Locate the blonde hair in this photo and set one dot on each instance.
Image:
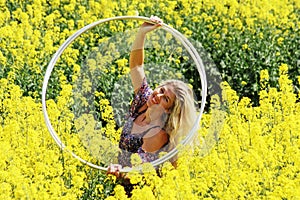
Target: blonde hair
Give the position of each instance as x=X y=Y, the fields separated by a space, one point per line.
x=182 y=114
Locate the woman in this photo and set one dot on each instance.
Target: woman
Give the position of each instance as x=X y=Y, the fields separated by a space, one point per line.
x=158 y=118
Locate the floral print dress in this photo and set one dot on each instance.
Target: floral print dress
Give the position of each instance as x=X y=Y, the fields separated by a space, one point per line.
x=132 y=143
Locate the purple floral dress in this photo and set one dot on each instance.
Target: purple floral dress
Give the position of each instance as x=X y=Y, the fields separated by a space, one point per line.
x=132 y=143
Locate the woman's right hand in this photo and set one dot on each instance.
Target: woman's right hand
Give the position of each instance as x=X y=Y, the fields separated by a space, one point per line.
x=147 y=26
x=114 y=169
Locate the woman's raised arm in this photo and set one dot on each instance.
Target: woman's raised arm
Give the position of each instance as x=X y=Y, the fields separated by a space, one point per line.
x=136 y=60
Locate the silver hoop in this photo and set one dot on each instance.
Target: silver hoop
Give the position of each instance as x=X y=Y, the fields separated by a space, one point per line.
x=189 y=47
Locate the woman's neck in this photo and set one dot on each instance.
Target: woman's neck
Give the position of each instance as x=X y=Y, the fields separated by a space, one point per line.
x=147 y=118
x=156 y=122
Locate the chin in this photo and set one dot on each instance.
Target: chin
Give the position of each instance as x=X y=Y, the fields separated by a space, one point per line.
x=148 y=103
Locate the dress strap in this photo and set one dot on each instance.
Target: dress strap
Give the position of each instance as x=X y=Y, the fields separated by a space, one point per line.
x=141 y=112
x=146 y=131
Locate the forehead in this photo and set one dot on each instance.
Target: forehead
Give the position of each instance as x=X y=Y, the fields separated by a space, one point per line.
x=169 y=91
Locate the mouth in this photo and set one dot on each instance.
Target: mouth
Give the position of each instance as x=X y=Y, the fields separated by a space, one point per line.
x=152 y=100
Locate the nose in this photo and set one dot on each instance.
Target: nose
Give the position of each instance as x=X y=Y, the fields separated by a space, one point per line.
x=157 y=97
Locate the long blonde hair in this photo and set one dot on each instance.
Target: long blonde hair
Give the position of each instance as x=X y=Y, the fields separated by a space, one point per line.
x=182 y=114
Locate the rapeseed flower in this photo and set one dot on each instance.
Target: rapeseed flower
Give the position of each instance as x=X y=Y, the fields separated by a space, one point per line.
x=256 y=154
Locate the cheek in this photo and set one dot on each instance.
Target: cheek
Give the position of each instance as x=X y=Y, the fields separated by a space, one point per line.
x=166 y=105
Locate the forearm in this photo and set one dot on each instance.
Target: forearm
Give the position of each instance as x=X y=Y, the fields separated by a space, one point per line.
x=137 y=50
x=136 y=60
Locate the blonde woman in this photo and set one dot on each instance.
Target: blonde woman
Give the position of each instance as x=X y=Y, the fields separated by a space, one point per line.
x=158 y=118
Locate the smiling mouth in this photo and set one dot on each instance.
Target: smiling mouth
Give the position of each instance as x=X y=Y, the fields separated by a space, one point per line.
x=153 y=100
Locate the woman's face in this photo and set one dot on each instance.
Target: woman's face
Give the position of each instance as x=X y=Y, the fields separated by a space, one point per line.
x=162 y=96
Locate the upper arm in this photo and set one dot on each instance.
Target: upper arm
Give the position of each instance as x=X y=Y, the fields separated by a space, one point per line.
x=136 y=64
x=137 y=75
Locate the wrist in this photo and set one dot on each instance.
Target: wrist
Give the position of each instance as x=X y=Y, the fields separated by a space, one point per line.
x=141 y=33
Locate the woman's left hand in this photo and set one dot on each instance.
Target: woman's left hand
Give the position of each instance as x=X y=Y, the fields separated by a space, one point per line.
x=147 y=26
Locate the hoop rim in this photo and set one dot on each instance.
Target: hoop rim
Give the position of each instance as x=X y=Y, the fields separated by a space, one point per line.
x=185 y=42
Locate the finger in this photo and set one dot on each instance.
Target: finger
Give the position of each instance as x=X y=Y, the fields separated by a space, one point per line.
x=156 y=19
x=118 y=167
x=112 y=168
x=109 y=170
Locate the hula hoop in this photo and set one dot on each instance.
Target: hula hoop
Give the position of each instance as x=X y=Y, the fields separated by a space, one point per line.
x=185 y=42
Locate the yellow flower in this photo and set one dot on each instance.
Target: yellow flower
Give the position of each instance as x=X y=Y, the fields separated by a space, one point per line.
x=257 y=149
x=143 y=193
x=283 y=69
x=261 y=35
x=99 y=94
x=80 y=23
x=280 y=40
x=135 y=159
x=264 y=75
x=120 y=193
x=126 y=70
x=3 y=59
x=122 y=62
x=245 y=47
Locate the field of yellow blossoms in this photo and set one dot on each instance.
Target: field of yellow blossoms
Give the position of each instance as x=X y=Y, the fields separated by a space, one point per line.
x=256 y=48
